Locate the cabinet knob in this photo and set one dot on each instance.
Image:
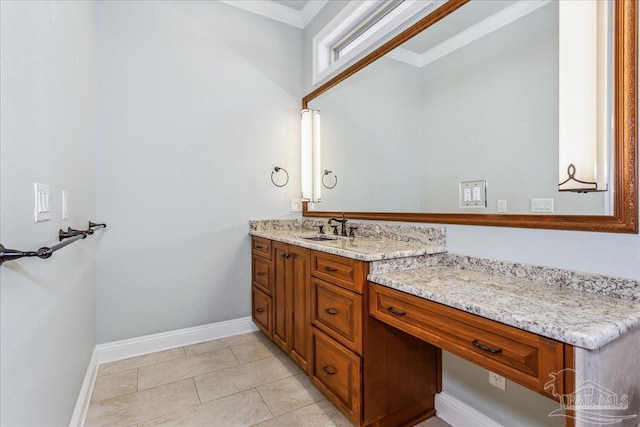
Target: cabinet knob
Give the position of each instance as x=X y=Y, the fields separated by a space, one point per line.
x=260 y=310
x=329 y=370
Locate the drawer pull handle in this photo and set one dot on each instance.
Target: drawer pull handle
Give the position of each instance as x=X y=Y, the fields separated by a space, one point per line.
x=286 y=255
x=331 y=269
x=260 y=310
x=485 y=348
x=396 y=312
x=329 y=370
x=331 y=311
x=259 y=247
x=260 y=273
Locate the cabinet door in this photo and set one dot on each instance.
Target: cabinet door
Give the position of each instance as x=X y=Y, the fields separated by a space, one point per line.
x=281 y=294
x=300 y=339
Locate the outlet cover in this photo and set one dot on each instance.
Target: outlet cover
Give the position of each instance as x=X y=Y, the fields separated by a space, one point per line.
x=296 y=205
x=497 y=380
x=41 y=210
x=473 y=194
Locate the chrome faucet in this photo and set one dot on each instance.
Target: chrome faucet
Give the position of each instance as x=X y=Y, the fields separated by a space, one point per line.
x=343 y=227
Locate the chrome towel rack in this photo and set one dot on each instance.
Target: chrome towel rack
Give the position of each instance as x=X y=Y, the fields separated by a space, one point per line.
x=46 y=251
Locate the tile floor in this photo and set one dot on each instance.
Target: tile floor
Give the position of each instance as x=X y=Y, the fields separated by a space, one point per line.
x=243 y=380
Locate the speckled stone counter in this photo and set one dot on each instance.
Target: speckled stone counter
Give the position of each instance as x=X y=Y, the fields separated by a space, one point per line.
x=579 y=318
x=360 y=248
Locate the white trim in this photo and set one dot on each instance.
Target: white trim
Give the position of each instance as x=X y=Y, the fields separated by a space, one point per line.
x=124 y=349
x=346 y=19
x=311 y=9
x=457 y=413
x=471 y=34
x=278 y=12
x=84 y=397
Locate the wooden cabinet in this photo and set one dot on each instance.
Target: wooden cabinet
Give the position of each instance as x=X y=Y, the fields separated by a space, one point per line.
x=313 y=305
x=261 y=300
x=291 y=296
x=521 y=356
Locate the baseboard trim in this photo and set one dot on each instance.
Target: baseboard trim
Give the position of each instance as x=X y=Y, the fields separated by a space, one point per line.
x=124 y=349
x=84 y=397
x=459 y=414
x=146 y=344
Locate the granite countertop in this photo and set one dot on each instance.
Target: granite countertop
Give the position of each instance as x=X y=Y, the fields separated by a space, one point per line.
x=361 y=248
x=579 y=318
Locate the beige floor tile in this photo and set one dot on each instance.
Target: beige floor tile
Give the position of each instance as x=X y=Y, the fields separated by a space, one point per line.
x=433 y=422
x=185 y=367
x=136 y=362
x=255 y=350
x=243 y=377
x=208 y=346
x=137 y=407
x=242 y=409
x=112 y=385
x=319 y=414
x=290 y=393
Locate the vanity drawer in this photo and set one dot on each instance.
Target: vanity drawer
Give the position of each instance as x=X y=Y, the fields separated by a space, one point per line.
x=338 y=313
x=342 y=271
x=521 y=356
x=262 y=310
x=337 y=372
x=261 y=272
x=260 y=246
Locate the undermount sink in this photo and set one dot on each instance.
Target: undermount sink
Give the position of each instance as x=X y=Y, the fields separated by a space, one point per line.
x=319 y=238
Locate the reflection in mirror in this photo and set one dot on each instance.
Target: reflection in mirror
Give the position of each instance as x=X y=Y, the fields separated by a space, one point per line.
x=473 y=97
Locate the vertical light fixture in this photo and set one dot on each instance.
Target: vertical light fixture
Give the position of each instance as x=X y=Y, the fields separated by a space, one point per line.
x=584 y=101
x=310 y=149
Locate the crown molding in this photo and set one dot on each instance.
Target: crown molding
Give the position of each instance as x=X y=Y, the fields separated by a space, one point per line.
x=277 y=12
x=481 y=29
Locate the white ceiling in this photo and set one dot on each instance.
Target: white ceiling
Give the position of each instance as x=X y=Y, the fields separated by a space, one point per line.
x=297 y=13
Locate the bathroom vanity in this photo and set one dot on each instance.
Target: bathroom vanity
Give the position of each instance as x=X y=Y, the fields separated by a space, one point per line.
x=368 y=317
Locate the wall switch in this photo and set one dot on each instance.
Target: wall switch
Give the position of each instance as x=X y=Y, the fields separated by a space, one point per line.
x=296 y=205
x=542 y=205
x=497 y=380
x=65 y=212
x=502 y=205
x=473 y=194
x=41 y=211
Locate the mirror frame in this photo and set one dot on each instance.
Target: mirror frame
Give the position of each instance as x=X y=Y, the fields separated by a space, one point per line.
x=625 y=148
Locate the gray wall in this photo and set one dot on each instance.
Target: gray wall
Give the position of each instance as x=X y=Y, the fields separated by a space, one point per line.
x=490 y=111
x=605 y=253
x=197 y=101
x=356 y=135
x=48 y=135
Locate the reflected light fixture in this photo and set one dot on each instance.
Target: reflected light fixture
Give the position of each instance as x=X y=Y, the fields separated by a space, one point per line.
x=310 y=149
x=584 y=96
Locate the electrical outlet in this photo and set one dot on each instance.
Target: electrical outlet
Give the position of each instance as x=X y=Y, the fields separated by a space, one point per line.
x=296 y=205
x=473 y=194
x=497 y=380
x=502 y=206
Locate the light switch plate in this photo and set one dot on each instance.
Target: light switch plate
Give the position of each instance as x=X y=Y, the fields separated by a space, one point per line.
x=473 y=194
x=542 y=205
x=65 y=210
x=41 y=210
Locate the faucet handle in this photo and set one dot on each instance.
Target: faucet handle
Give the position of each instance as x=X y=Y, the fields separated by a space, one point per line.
x=320 y=228
x=335 y=229
x=351 y=234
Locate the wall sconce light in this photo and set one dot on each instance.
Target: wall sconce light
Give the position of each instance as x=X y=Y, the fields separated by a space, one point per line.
x=311 y=173
x=584 y=96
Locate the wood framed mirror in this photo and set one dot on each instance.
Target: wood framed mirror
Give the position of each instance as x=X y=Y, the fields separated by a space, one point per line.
x=623 y=217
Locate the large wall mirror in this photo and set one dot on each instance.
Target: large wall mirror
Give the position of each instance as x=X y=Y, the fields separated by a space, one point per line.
x=472 y=92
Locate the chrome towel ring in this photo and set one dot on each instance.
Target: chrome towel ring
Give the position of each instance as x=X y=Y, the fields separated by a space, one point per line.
x=335 y=182
x=276 y=170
